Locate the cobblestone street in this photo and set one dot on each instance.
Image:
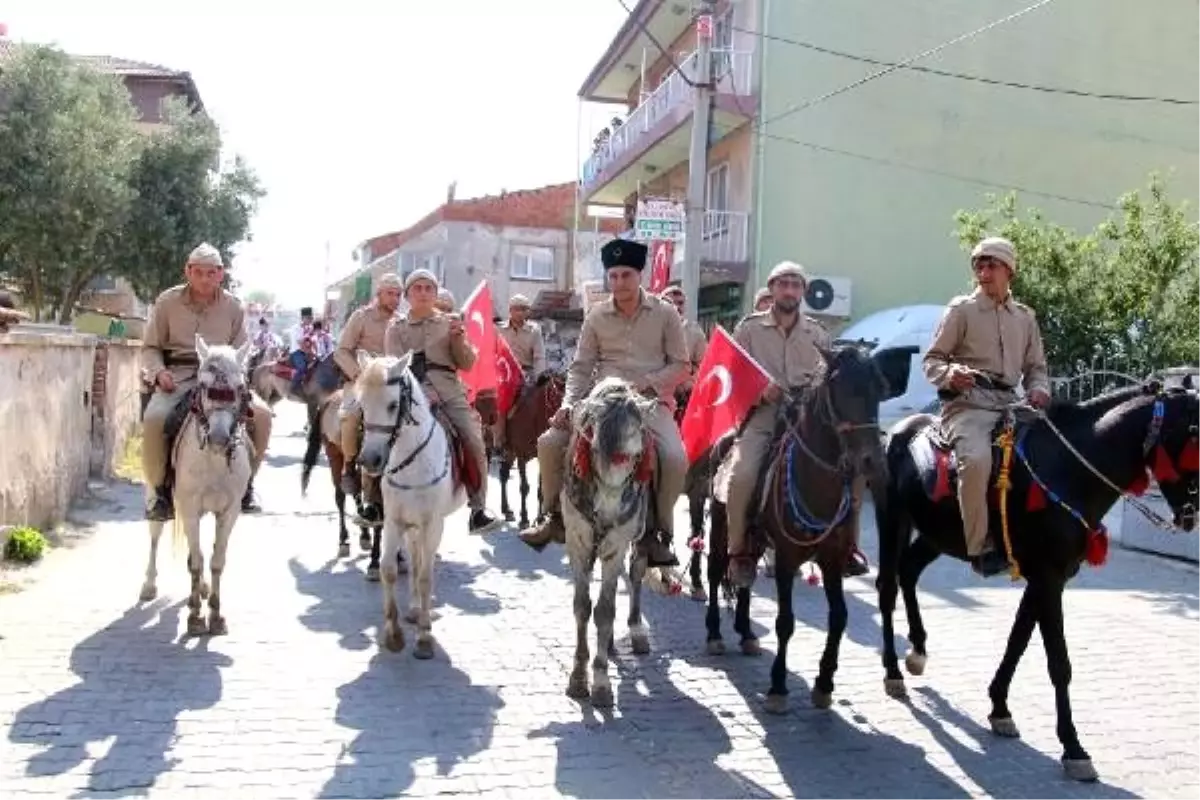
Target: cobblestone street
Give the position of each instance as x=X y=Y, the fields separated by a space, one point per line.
x=101 y=696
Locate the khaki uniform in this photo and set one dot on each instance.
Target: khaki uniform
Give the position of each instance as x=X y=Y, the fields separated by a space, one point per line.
x=1003 y=342
x=170 y=342
x=649 y=351
x=792 y=361
x=697 y=344
x=529 y=348
x=444 y=356
x=365 y=330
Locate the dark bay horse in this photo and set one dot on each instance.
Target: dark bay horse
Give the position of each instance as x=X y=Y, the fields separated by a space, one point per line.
x=697 y=488
x=528 y=420
x=1085 y=457
x=828 y=438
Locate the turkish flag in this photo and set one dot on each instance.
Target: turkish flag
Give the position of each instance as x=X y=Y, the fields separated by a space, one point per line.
x=510 y=377
x=727 y=385
x=662 y=252
x=481 y=333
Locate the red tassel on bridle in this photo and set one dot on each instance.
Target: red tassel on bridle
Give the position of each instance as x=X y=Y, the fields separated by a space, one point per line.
x=1189 y=459
x=1164 y=470
x=645 y=466
x=581 y=460
x=1140 y=484
x=1096 y=549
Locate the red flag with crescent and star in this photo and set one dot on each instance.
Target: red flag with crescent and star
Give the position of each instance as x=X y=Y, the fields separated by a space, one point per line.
x=509 y=377
x=481 y=333
x=661 y=253
x=727 y=385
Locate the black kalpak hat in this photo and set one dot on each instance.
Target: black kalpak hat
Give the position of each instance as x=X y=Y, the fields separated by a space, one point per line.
x=624 y=253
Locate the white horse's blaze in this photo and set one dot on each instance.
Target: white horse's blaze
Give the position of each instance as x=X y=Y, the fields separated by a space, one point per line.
x=604 y=506
x=402 y=434
x=209 y=479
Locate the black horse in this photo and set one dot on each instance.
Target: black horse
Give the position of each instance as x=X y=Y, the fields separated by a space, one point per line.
x=828 y=437
x=1053 y=522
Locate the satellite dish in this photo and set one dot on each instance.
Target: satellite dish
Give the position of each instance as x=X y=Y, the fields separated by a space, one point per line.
x=819 y=295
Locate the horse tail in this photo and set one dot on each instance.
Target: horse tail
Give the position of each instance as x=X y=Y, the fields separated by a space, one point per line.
x=313 y=445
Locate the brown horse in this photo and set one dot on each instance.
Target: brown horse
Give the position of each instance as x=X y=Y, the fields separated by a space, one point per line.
x=528 y=420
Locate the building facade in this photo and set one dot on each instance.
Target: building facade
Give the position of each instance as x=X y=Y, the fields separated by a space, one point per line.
x=862 y=186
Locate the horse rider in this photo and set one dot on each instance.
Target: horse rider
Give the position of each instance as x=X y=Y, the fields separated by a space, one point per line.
x=199 y=306
x=440 y=349
x=762 y=300
x=524 y=338
x=785 y=344
x=638 y=337
x=265 y=339
x=694 y=336
x=322 y=340
x=366 y=330
x=445 y=301
x=301 y=329
x=985 y=342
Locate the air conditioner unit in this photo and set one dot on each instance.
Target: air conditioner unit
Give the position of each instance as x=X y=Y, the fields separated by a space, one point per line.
x=827 y=296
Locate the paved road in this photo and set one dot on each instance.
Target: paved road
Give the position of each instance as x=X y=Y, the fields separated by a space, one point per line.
x=100 y=697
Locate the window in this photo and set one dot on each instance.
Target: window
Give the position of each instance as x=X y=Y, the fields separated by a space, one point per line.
x=716 y=201
x=435 y=264
x=722 y=44
x=532 y=264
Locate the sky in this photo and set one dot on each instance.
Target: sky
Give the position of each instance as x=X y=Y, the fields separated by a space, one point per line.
x=357 y=115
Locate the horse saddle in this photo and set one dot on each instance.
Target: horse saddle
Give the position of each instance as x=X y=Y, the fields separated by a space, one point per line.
x=934 y=458
x=463 y=467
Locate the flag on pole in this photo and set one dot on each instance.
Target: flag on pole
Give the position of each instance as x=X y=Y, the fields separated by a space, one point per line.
x=481 y=333
x=510 y=377
x=728 y=384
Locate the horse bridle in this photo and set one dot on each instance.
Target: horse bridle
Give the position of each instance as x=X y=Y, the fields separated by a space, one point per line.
x=825 y=412
x=221 y=392
x=404 y=415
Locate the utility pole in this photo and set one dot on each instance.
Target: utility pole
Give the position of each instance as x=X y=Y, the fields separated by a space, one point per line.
x=698 y=159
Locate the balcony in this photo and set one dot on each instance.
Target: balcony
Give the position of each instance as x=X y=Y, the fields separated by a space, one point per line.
x=724 y=249
x=653 y=139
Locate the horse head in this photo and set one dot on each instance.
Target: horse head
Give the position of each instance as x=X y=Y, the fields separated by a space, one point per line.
x=222 y=397
x=1175 y=459
x=612 y=443
x=391 y=400
x=847 y=400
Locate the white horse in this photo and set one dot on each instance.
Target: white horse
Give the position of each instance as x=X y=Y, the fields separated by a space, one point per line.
x=605 y=503
x=408 y=448
x=212 y=470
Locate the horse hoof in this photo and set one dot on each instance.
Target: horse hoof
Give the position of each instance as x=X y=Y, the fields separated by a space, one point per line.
x=411 y=616
x=914 y=662
x=217 y=626
x=522 y=523
x=751 y=647
x=698 y=594
x=196 y=626
x=715 y=647
x=393 y=637
x=148 y=593
x=205 y=590
x=1004 y=727
x=373 y=574
x=775 y=704
x=509 y=516
x=577 y=688
x=1080 y=769
x=364 y=542
x=602 y=696
x=639 y=643
x=821 y=700
x=343 y=549
x=895 y=688
x=424 y=649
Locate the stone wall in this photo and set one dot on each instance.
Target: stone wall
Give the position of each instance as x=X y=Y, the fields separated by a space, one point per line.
x=116 y=402
x=45 y=424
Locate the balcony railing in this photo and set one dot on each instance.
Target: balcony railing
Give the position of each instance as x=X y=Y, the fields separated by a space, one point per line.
x=724 y=236
x=732 y=71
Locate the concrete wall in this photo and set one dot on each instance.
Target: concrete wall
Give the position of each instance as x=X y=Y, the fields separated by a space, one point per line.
x=45 y=424
x=116 y=403
x=914 y=145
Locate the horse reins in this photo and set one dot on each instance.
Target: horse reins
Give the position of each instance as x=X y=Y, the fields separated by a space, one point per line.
x=403 y=415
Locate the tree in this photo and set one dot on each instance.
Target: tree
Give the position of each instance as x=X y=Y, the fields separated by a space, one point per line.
x=66 y=145
x=1128 y=292
x=260 y=296
x=183 y=198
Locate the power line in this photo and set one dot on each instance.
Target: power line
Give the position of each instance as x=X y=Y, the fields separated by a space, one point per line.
x=656 y=43
x=904 y=63
x=968 y=77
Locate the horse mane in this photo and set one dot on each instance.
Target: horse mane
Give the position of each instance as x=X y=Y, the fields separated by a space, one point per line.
x=605 y=410
x=1068 y=412
x=375 y=374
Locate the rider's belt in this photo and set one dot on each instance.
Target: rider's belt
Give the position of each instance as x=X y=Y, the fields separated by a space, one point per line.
x=420 y=366
x=181 y=360
x=981 y=382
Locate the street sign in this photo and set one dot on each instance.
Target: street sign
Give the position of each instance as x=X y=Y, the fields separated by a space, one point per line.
x=704 y=26
x=659 y=219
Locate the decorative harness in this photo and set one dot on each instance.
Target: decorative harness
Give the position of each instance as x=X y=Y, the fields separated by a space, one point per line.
x=1096 y=550
x=221 y=392
x=580 y=477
